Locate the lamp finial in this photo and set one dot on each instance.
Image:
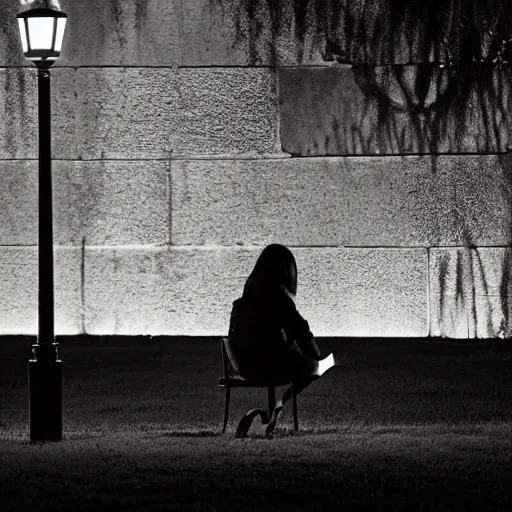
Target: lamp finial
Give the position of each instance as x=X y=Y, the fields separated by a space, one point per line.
x=40 y=4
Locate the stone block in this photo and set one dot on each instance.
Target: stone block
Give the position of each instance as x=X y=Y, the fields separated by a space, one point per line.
x=121 y=32
x=246 y=202
x=481 y=212
x=18 y=278
x=18 y=109
x=111 y=203
x=363 y=292
x=347 y=201
x=471 y=292
x=148 y=113
x=399 y=201
x=64 y=110
x=390 y=110
x=329 y=120
x=190 y=291
x=430 y=201
x=18 y=202
x=96 y=203
x=11 y=52
x=69 y=311
x=18 y=274
x=221 y=33
x=287 y=33
x=162 y=291
x=209 y=38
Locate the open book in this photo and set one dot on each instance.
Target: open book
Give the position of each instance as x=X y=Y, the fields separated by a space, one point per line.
x=325 y=364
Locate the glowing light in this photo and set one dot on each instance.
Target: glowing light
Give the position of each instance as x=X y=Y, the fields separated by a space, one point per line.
x=23 y=32
x=41 y=33
x=61 y=26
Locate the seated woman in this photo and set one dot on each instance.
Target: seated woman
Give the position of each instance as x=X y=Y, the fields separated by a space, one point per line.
x=268 y=337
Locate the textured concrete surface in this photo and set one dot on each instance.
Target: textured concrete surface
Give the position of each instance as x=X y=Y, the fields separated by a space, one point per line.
x=377 y=201
x=18 y=278
x=158 y=291
x=111 y=203
x=120 y=32
x=348 y=111
x=192 y=33
x=98 y=203
x=363 y=292
x=146 y=113
x=308 y=202
x=159 y=33
x=105 y=32
x=18 y=202
x=148 y=154
x=190 y=291
x=429 y=201
x=481 y=212
x=329 y=120
x=228 y=37
x=18 y=111
x=208 y=38
x=300 y=202
x=471 y=292
x=18 y=274
x=11 y=53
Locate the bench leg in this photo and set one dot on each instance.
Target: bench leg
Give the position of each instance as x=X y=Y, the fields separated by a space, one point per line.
x=271 y=399
x=295 y=413
x=226 y=409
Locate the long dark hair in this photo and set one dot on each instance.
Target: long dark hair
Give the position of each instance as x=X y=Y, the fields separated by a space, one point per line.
x=275 y=268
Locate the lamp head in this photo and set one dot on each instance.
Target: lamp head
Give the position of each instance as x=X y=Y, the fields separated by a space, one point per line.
x=42 y=24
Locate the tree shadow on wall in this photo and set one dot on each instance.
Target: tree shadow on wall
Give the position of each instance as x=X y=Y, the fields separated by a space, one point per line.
x=475 y=284
x=469 y=305
x=372 y=32
x=431 y=109
x=432 y=75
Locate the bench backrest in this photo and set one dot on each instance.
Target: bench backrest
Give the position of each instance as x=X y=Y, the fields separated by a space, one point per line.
x=228 y=360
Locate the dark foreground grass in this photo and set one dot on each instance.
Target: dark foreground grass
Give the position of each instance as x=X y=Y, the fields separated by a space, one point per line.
x=414 y=426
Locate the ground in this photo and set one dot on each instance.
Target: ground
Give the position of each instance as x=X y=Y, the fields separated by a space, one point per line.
x=415 y=425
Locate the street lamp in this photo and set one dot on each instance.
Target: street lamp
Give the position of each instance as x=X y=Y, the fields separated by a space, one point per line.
x=42 y=26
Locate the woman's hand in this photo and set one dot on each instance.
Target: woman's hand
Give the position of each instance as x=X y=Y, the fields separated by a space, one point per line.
x=309 y=346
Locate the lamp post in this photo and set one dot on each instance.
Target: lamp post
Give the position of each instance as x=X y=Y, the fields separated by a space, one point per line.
x=42 y=26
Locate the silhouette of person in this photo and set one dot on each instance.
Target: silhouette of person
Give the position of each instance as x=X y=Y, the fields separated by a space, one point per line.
x=268 y=338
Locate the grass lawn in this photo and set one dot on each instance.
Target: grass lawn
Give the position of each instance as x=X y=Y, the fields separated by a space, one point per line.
x=412 y=425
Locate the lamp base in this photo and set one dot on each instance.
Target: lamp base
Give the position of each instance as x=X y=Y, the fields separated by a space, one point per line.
x=45 y=394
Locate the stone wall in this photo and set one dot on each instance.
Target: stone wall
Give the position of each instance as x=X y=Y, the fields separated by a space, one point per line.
x=176 y=159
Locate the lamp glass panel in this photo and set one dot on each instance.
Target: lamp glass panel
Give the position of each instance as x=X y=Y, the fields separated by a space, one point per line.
x=23 y=32
x=61 y=26
x=40 y=32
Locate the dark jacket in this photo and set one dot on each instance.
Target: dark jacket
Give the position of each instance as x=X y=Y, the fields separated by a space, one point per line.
x=269 y=338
